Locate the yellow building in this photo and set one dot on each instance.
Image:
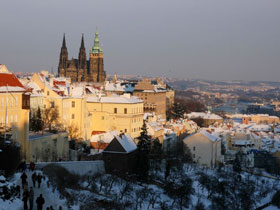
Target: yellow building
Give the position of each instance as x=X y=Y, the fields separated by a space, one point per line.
x=14 y=110
x=122 y=113
x=72 y=110
x=157 y=98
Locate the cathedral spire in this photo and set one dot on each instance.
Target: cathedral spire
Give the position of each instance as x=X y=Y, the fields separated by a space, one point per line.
x=63 y=59
x=82 y=61
x=64 y=42
x=82 y=42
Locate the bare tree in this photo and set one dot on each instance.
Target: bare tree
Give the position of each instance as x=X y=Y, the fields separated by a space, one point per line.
x=73 y=131
x=50 y=117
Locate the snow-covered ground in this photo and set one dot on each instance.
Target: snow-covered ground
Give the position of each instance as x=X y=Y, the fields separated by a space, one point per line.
x=51 y=196
x=111 y=192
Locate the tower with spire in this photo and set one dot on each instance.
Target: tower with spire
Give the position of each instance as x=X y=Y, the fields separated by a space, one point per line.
x=96 y=61
x=81 y=69
x=82 y=62
x=63 y=59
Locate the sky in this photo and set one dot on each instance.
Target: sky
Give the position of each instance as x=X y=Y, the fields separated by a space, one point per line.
x=196 y=39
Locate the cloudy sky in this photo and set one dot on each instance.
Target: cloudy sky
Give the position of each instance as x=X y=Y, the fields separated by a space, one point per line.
x=208 y=39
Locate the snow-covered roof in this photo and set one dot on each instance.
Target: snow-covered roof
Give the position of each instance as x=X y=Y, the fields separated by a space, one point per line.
x=127 y=142
x=119 y=86
x=211 y=136
x=105 y=137
x=242 y=142
x=11 y=89
x=78 y=91
x=204 y=115
x=261 y=127
x=115 y=99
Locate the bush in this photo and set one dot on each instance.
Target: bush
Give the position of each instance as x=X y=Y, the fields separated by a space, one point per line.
x=61 y=178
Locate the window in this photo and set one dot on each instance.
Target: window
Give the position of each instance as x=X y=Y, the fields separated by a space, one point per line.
x=115 y=110
x=44 y=105
x=102 y=118
x=125 y=110
x=52 y=104
x=73 y=104
x=73 y=116
x=193 y=148
x=48 y=93
x=193 y=155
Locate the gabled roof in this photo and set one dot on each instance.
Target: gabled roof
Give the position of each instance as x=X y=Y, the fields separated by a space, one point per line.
x=121 y=144
x=9 y=82
x=211 y=136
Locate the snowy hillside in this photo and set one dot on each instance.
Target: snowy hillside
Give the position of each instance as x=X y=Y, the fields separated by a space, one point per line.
x=188 y=188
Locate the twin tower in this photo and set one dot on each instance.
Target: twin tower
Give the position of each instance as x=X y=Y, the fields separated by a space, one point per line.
x=81 y=69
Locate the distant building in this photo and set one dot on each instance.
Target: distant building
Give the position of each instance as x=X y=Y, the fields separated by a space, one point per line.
x=205 y=148
x=81 y=69
x=156 y=96
x=207 y=117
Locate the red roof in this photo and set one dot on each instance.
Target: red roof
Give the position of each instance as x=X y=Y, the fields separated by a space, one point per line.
x=97 y=132
x=56 y=82
x=9 y=79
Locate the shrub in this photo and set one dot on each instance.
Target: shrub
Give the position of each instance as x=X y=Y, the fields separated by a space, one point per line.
x=61 y=177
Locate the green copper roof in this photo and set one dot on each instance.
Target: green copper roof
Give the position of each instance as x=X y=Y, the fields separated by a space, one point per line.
x=96 y=48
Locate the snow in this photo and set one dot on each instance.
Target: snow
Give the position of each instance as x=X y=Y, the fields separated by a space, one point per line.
x=120 y=86
x=114 y=99
x=11 y=89
x=105 y=137
x=127 y=143
x=203 y=115
x=51 y=196
x=78 y=91
x=2 y=178
x=210 y=136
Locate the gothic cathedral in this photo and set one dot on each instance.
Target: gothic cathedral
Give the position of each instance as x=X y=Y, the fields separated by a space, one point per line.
x=81 y=69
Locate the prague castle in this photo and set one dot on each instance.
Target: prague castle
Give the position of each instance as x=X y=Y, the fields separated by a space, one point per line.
x=81 y=69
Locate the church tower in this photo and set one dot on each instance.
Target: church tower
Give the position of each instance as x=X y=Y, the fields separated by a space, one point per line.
x=82 y=62
x=96 y=66
x=63 y=59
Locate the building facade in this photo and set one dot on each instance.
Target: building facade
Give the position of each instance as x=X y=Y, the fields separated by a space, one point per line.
x=121 y=113
x=205 y=148
x=14 y=110
x=81 y=69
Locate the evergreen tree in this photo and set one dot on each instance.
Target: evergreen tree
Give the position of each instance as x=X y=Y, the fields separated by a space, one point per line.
x=237 y=164
x=39 y=120
x=36 y=122
x=142 y=160
x=144 y=140
x=156 y=154
x=177 y=111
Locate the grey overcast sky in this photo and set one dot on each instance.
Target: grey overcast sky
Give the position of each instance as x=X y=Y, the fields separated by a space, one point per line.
x=207 y=39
